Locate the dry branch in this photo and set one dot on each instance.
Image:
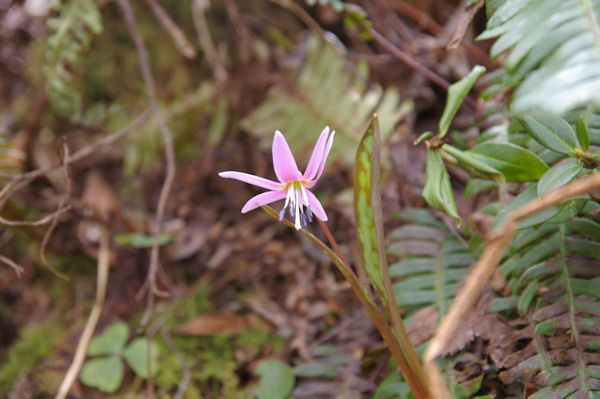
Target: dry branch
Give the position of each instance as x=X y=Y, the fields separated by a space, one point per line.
x=90 y=325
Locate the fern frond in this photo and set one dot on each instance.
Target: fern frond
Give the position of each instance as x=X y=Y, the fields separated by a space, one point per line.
x=554 y=270
x=327 y=92
x=430 y=264
x=553 y=51
x=71 y=34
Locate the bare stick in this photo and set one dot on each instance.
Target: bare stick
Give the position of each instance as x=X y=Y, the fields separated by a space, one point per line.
x=92 y=321
x=199 y=7
x=167 y=137
x=169 y=156
x=61 y=205
x=187 y=374
x=16 y=267
x=484 y=268
x=171 y=27
x=463 y=25
x=20 y=180
x=408 y=60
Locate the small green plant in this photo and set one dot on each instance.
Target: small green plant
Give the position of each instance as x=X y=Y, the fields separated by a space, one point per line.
x=105 y=369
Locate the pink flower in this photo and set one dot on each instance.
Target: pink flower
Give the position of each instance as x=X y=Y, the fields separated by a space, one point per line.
x=293 y=185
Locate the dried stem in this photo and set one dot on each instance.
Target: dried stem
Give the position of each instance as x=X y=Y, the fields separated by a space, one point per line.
x=484 y=268
x=61 y=205
x=171 y=27
x=169 y=157
x=92 y=321
x=187 y=373
x=20 y=180
x=433 y=27
x=205 y=39
x=16 y=267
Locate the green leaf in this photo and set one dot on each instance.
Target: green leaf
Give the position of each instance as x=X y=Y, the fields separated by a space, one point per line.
x=136 y=356
x=105 y=373
x=315 y=370
x=515 y=163
x=551 y=131
x=141 y=240
x=473 y=162
x=367 y=205
x=583 y=134
x=111 y=341
x=438 y=191
x=276 y=380
x=456 y=94
x=558 y=176
x=475 y=186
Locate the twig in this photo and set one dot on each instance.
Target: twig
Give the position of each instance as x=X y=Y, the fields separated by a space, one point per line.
x=171 y=27
x=92 y=321
x=167 y=137
x=433 y=27
x=16 y=267
x=402 y=56
x=464 y=22
x=61 y=205
x=205 y=39
x=484 y=268
x=169 y=157
x=39 y=222
x=22 y=179
x=187 y=373
x=301 y=14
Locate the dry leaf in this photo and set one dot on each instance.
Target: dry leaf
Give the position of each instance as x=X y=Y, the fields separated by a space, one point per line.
x=207 y=324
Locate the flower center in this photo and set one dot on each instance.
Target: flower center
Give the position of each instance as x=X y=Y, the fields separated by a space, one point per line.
x=296 y=201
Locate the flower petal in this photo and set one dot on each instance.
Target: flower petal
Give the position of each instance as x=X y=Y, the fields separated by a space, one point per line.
x=251 y=179
x=263 y=199
x=283 y=160
x=316 y=207
x=325 y=154
x=317 y=155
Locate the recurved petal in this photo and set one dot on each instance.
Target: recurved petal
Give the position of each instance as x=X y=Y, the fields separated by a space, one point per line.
x=283 y=160
x=316 y=207
x=325 y=154
x=251 y=179
x=317 y=155
x=263 y=199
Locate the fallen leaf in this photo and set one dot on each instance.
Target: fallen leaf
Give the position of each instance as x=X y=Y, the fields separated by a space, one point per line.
x=207 y=324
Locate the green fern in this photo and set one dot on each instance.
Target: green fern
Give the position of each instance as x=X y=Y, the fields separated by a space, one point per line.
x=553 y=51
x=553 y=270
x=71 y=34
x=327 y=92
x=430 y=264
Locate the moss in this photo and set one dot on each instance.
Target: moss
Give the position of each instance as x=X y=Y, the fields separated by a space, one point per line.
x=33 y=345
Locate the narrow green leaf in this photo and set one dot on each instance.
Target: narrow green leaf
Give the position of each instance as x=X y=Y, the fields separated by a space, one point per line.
x=315 y=369
x=276 y=380
x=105 y=373
x=456 y=94
x=545 y=327
x=473 y=162
x=136 y=356
x=550 y=131
x=367 y=205
x=475 y=186
x=582 y=133
x=438 y=191
x=503 y=303
x=516 y=163
x=111 y=341
x=558 y=176
x=424 y=136
x=141 y=240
